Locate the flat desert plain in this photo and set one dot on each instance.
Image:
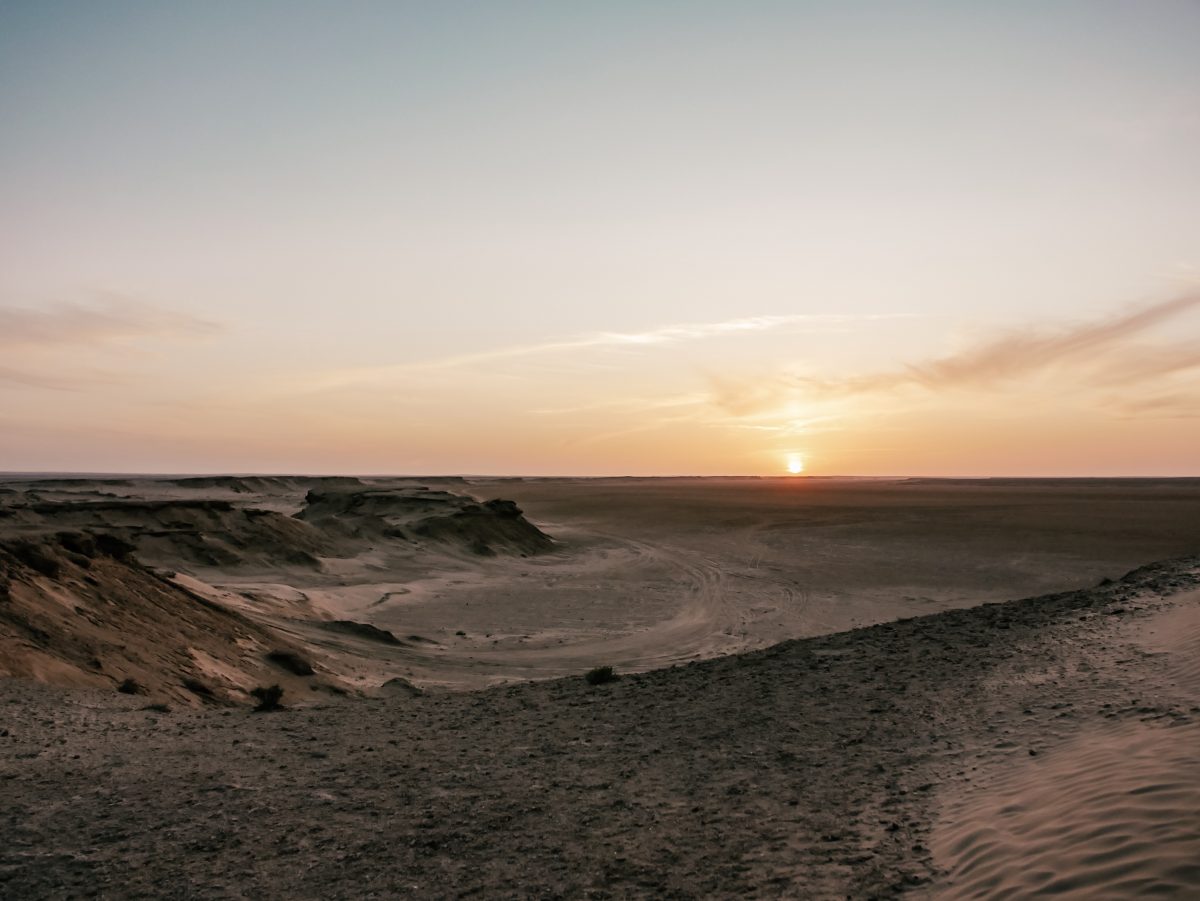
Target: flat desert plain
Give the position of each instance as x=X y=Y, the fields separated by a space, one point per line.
x=826 y=687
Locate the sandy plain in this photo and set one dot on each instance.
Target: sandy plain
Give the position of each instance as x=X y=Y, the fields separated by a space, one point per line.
x=820 y=695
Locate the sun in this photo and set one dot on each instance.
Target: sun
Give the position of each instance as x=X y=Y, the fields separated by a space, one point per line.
x=795 y=464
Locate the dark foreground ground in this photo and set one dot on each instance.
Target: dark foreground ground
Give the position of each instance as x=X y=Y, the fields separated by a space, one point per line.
x=815 y=768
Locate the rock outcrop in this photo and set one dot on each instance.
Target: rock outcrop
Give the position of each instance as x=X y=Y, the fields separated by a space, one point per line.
x=428 y=516
x=206 y=533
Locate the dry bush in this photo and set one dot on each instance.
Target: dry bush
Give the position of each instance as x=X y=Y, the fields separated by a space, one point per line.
x=601 y=675
x=268 y=698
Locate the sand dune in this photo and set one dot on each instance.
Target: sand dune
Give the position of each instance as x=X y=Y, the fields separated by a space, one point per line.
x=1112 y=812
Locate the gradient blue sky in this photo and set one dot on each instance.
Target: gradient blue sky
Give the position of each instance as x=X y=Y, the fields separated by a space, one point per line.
x=600 y=237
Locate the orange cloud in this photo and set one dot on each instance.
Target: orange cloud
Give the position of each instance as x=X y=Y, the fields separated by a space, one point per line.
x=1086 y=357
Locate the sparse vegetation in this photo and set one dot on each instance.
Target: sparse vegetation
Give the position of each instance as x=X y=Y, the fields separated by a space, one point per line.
x=601 y=675
x=158 y=708
x=130 y=687
x=268 y=698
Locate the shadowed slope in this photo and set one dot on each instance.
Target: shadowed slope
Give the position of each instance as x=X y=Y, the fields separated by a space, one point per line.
x=78 y=610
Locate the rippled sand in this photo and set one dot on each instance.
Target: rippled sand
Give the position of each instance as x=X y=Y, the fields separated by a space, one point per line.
x=1113 y=812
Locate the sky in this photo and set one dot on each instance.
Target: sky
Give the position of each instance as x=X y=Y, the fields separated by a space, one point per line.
x=598 y=238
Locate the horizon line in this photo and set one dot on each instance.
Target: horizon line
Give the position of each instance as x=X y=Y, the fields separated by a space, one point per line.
x=95 y=474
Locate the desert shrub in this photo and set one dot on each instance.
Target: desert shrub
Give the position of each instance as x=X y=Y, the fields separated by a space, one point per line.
x=600 y=675
x=268 y=698
x=292 y=662
x=130 y=687
x=158 y=708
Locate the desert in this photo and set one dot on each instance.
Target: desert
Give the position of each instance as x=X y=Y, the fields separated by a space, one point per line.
x=824 y=687
x=599 y=450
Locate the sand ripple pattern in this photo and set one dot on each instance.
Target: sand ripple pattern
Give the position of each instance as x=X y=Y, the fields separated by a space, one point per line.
x=1176 y=634
x=1115 y=815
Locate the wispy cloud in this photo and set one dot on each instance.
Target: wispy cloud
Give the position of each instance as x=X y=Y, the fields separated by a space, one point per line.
x=42 y=345
x=664 y=335
x=1023 y=353
x=627 y=404
x=1090 y=356
x=112 y=318
x=14 y=376
x=1178 y=405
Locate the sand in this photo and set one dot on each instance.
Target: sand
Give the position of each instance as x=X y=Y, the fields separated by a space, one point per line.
x=1112 y=810
x=976 y=750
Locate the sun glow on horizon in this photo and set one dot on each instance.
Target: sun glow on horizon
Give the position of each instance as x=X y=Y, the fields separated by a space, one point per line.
x=795 y=464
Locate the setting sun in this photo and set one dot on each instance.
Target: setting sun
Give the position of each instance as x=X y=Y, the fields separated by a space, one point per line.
x=795 y=464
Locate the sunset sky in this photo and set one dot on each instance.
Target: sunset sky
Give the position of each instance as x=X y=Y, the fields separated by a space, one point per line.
x=894 y=238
